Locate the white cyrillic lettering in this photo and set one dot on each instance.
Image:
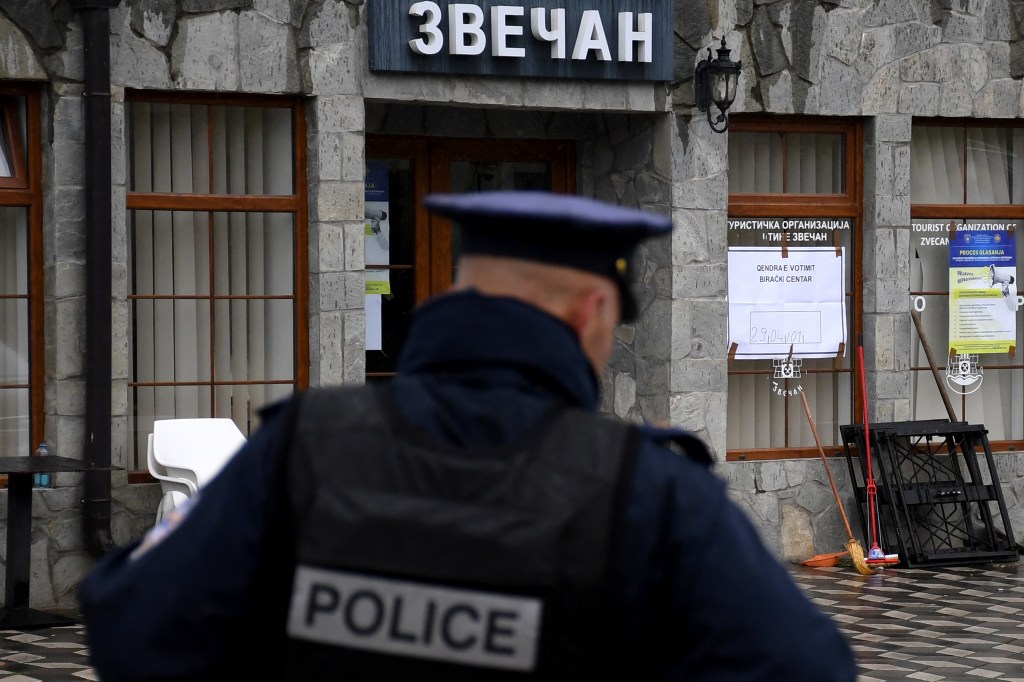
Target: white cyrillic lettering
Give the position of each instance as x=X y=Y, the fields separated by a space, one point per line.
x=432 y=19
x=501 y=30
x=591 y=37
x=919 y=304
x=465 y=26
x=644 y=35
x=555 y=36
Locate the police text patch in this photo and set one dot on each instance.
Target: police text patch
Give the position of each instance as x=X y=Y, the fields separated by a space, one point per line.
x=405 y=618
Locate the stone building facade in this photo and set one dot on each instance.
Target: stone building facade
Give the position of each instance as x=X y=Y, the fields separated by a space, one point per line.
x=883 y=65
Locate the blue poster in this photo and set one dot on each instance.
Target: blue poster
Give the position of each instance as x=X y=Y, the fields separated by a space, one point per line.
x=982 y=290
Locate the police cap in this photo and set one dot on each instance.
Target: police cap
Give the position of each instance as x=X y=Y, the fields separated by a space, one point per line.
x=559 y=229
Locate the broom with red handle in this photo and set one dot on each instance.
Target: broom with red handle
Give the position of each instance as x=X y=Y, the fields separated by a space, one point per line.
x=875 y=553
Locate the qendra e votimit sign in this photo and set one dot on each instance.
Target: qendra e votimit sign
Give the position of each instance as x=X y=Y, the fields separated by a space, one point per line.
x=584 y=39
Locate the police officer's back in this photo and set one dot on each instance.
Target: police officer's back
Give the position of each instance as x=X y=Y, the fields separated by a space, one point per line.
x=473 y=519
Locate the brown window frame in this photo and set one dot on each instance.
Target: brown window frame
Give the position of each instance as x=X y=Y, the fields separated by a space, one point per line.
x=849 y=204
x=296 y=203
x=966 y=211
x=25 y=189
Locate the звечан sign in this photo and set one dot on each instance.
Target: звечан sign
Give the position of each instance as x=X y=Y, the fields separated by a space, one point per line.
x=540 y=38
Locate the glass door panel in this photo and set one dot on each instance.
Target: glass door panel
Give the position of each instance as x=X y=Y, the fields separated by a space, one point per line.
x=418 y=261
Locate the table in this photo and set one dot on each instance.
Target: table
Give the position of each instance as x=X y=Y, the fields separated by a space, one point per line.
x=16 y=613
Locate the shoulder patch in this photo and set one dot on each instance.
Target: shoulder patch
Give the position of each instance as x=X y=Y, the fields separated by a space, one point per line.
x=168 y=525
x=681 y=441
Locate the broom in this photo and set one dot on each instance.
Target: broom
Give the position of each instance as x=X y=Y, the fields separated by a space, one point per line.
x=852 y=545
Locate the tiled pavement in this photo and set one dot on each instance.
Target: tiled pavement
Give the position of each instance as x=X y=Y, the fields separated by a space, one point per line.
x=957 y=624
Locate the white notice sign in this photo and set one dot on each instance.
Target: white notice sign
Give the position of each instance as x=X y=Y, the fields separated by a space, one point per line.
x=776 y=303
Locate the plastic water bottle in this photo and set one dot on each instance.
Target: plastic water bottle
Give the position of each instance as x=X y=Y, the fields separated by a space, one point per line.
x=42 y=480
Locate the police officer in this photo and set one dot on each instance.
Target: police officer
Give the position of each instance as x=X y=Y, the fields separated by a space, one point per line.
x=475 y=518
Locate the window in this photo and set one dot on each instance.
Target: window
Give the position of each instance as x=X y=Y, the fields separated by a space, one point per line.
x=968 y=180
x=217 y=245
x=21 y=300
x=794 y=232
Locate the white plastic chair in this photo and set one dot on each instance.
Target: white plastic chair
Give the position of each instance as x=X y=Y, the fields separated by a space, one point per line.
x=186 y=454
x=175 y=490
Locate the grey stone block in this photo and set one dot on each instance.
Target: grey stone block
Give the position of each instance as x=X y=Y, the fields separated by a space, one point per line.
x=961 y=28
x=327 y=247
x=338 y=291
x=67 y=63
x=336 y=201
x=842 y=36
x=807 y=27
x=999 y=99
x=698 y=375
x=957 y=99
x=154 y=20
x=880 y=95
x=328 y=23
x=624 y=395
x=970 y=65
x=204 y=54
x=999 y=21
x=932 y=65
x=337 y=70
x=355 y=347
x=839 y=89
x=214 y=5
x=766 y=44
x=135 y=62
x=693 y=23
x=17 y=59
x=337 y=113
x=771 y=476
x=998 y=60
x=888 y=12
x=267 y=55
x=919 y=99
x=882 y=211
x=777 y=91
x=36 y=18
x=890 y=128
x=797 y=532
x=285 y=11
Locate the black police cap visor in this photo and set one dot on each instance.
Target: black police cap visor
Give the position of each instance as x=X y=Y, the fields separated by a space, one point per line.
x=559 y=229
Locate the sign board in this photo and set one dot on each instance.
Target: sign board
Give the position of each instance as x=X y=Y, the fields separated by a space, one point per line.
x=583 y=39
x=982 y=290
x=778 y=303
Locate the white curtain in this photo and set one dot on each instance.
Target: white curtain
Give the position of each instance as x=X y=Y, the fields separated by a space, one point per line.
x=995 y=175
x=14 y=333
x=204 y=335
x=758 y=416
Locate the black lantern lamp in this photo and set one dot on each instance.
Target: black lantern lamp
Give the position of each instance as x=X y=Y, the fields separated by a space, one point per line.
x=715 y=80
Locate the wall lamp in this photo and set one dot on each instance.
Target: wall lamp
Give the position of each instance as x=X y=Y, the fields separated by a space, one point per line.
x=715 y=80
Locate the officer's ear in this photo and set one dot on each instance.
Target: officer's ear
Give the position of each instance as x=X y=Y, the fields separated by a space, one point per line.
x=585 y=308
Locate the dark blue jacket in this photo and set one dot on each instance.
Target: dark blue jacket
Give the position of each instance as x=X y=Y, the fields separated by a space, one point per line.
x=699 y=587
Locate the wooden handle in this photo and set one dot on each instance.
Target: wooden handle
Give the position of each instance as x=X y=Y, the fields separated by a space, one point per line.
x=916 y=316
x=824 y=460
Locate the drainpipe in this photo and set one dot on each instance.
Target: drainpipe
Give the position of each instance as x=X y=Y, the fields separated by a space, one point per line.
x=95 y=18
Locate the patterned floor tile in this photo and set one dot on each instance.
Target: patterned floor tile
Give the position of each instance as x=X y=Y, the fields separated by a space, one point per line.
x=943 y=625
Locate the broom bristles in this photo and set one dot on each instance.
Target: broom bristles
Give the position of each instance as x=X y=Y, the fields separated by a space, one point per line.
x=857 y=554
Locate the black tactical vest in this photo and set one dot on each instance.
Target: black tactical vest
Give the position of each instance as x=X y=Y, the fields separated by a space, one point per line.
x=421 y=561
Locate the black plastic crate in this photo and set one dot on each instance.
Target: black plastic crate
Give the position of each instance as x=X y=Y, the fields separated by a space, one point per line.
x=938 y=497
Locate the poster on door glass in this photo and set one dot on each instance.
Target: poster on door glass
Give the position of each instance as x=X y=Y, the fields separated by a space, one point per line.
x=377 y=249
x=982 y=290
